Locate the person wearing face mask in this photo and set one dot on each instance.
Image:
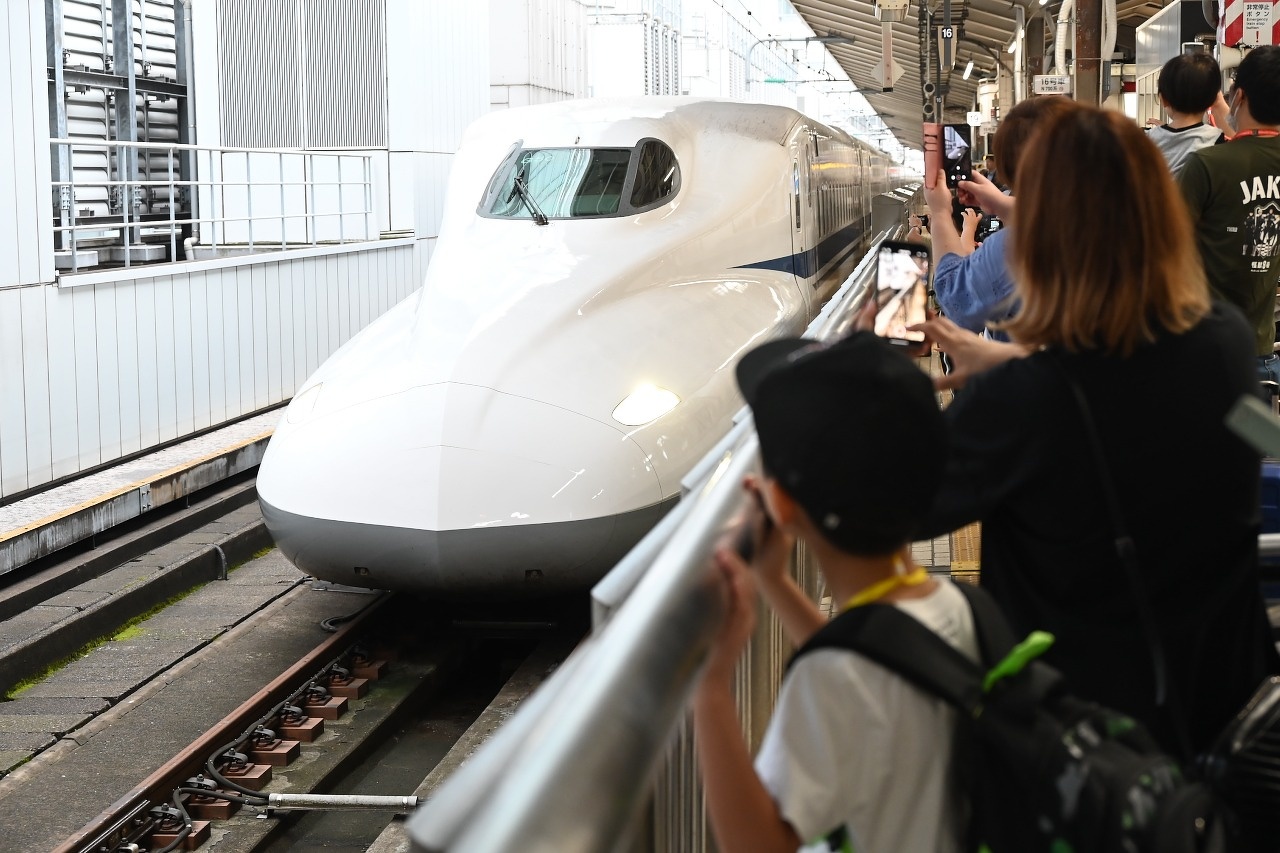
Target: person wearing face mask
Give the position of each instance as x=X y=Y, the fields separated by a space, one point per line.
x=1233 y=193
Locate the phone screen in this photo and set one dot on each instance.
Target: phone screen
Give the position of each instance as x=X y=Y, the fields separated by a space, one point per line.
x=901 y=290
x=956 y=159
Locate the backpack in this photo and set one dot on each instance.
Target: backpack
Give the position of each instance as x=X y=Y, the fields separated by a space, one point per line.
x=1043 y=770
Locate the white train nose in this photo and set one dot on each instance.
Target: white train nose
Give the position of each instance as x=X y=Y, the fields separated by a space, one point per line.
x=423 y=473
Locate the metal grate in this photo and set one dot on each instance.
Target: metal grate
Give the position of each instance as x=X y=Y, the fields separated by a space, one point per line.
x=259 y=84
x=345 y=66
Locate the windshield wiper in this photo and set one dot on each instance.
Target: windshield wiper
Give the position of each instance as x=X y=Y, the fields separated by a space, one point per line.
x=527 y=197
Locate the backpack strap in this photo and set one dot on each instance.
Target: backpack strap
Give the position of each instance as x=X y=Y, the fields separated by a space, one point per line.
x=995 y=635
x=897 y=641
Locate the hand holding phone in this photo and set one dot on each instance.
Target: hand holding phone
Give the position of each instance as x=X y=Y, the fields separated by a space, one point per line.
x=931 y=137
x=901 y=291
x=756 y=527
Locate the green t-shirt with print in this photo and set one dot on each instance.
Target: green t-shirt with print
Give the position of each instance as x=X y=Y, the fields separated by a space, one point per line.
x=1233 y=192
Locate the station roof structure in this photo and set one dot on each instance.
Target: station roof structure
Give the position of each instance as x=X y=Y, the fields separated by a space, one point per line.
x=984 y=28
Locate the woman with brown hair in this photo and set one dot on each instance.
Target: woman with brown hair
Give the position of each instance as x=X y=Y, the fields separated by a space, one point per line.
x=1114 y=299
x=974 y=288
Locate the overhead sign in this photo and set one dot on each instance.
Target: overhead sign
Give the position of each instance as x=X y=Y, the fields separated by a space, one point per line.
x=1051 y=84
x=946 y=35
x=987 y=128
x=887 y=70
x=974 y=118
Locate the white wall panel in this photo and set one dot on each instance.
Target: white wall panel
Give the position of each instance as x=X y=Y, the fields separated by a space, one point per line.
x=330 y=304
x=35 y=380
x=273 y=329
x=26 y=236
x=298 y=283
x=447 y=86
x=13 y=436
x=214 y=286
x=64 y=433
x=84 y=310
x=126 y=320
x=167 y=371
x=260 y=355
x=91 y=373
x=108 y=361
x=237 y=331
x=148 y=381
x=202 y=362
x=184 y=376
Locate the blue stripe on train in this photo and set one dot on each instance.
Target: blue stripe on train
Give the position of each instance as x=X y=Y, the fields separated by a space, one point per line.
x=806 y=264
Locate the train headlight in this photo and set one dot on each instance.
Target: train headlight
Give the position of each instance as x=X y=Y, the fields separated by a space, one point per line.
x=646 y=403
x=301 y=406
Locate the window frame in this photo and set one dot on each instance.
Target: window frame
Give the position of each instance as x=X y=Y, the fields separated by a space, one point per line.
x=625 y=209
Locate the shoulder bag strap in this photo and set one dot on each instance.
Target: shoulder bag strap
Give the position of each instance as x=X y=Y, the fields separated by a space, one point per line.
x=1128 y=553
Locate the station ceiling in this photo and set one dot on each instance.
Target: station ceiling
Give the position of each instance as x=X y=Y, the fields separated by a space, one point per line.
x=984 y=28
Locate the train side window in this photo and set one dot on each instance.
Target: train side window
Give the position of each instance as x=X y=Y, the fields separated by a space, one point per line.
x=657 y=174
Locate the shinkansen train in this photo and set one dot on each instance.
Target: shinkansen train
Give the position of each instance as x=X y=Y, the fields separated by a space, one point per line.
x=517 y=424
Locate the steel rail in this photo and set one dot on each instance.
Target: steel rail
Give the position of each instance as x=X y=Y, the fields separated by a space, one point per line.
x=159 y=786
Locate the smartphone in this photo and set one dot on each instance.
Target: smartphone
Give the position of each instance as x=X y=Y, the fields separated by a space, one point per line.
x=956 y=159
x=902 y=281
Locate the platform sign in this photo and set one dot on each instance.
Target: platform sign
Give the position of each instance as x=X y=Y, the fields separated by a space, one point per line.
x=1051 y=84
x=1249 y=23
x=987 y=128
x=946 y=37
x=1257 y=23
x=974 y=118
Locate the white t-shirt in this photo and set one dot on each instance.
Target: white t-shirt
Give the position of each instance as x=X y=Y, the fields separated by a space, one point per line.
x=852 y=744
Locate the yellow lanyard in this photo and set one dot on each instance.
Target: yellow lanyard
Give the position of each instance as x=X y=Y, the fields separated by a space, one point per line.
x=880 y=589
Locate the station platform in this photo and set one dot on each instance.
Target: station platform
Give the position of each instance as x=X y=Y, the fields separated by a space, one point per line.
x=42 y=523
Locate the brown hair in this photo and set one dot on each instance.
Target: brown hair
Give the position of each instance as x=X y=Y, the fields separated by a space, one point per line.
x=1103 y=253
x=1018 y=125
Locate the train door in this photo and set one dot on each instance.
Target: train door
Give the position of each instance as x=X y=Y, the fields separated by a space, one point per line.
x=799 y=214
x=804 y=213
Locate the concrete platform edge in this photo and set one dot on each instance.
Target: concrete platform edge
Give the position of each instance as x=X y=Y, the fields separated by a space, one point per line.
x=67 y=637
x=39 y=539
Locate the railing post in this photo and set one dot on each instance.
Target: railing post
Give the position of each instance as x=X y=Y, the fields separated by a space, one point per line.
x=280 y=170
x=342 y=218
x=218 y=194
x=248 y=195
x=368 y=195
x=126 y=206
x=308 y=189
x=173 y=225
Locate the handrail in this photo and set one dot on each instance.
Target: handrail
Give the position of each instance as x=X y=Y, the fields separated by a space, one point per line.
x=301 y=205
x=571 y=770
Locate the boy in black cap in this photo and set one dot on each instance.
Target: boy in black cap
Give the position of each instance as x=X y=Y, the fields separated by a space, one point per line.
x=854 y=757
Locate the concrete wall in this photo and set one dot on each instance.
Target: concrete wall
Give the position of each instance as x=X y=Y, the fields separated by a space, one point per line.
x=26 y=224
x=537 y=52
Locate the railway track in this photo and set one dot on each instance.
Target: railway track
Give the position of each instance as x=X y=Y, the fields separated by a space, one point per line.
x=204 y=721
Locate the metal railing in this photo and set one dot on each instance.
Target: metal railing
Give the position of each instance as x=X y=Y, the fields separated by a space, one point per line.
x=575 y=767
x=252 y=199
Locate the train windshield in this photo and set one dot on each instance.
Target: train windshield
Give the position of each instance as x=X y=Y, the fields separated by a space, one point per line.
x=576 y=183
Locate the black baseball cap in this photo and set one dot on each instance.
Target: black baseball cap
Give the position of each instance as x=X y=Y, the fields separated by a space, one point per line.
x=852 y=431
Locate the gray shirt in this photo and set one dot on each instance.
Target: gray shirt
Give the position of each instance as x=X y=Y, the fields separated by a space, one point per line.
x=1176 y=144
